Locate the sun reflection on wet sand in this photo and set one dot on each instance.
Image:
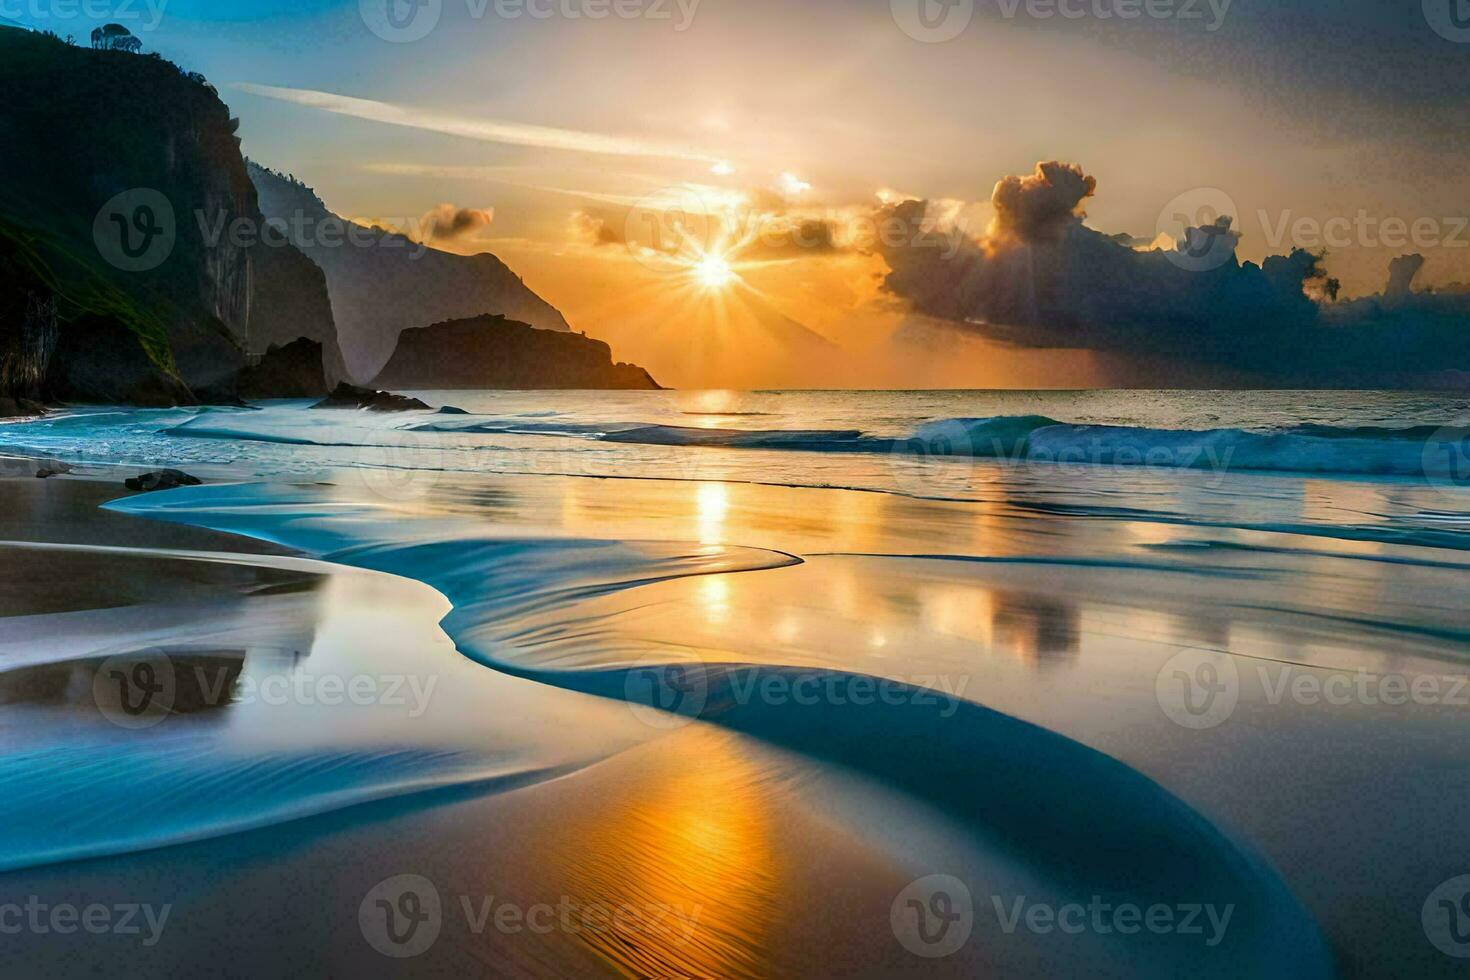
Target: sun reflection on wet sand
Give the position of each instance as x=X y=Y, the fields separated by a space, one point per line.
x=691 y=846
x=712 y=504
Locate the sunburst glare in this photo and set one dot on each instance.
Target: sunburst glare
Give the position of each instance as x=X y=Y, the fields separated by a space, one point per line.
x=713 y=271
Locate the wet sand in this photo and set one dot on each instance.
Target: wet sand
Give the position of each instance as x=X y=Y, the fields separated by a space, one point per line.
x=67 y=511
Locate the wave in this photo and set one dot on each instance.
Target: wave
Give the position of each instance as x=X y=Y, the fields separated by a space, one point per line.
x=677 y=435
x=1359 y=450
x=1421 y=450
x=1409 y=536
x=242 y=435
x=210 y=792
x=639 y=433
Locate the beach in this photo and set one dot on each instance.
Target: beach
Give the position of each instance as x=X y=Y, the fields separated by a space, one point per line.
x=1145 y=719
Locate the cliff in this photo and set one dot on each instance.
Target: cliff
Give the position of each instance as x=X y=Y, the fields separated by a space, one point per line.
x=494 y=352
x=383 y=283
x=119 y=178
x=290 y=371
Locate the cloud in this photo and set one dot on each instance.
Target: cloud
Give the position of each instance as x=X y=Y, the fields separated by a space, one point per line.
x=486 y=130
x=447 y=222
x=1040 y=207
x=1401 y=273
x=789 y=237
x=1043 y=279
x=593 y=229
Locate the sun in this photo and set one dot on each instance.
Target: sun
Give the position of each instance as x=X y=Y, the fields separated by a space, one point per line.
x=713 y=271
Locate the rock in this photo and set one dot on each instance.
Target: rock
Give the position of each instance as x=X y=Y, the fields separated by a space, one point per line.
x=351 y=396
x=50 y=468
x=161 y=480
x=451 y=410
x=19 y=408
x=495 y=352
x=293 y=371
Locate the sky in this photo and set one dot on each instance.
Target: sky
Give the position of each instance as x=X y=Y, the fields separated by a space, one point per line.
x=1321 y=124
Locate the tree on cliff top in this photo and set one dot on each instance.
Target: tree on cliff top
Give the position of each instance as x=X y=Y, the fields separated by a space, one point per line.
x=115 y=37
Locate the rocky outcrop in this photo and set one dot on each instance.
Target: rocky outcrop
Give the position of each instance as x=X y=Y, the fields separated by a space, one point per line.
x=28 y=330
x=20 y=408
x=351 y=396
x=495 y=352
x=292 y=371
x=122 y=181
x=382 y=283
x=161 y=480
x=99 y=360
x=290 y=302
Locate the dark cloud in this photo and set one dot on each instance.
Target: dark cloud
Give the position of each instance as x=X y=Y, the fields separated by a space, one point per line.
x=1041 y=206
x=776 y=238
x=1044 y=279
x=447 y=222
x=1401 y=273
